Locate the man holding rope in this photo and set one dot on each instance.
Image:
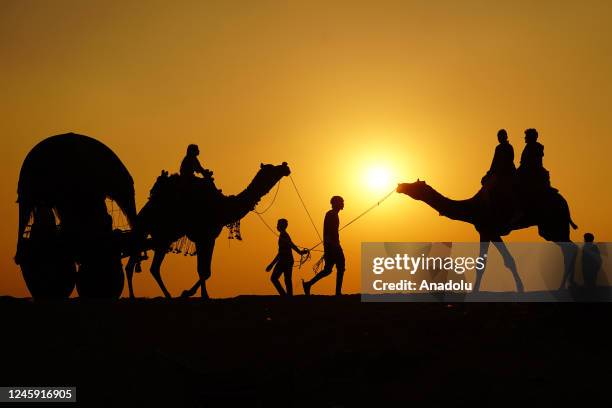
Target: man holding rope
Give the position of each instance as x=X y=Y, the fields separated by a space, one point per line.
x=331 y=245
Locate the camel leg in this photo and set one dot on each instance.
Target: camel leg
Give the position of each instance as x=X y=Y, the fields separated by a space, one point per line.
x=129 y=273
x=569 y=250
x=132 y=264
x=509 y=262
x=484 y=249
x=205 y=250
x=158 y=258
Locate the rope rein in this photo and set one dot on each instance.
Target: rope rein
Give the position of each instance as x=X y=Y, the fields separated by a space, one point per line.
x=304 y=258
x=271 y=203
x=306 y=209
x=265 y=223
x=379 y=202
x=369 y=209
x=318 y=265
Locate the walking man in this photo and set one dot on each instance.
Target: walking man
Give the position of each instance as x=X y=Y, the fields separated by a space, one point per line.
x=331 y=244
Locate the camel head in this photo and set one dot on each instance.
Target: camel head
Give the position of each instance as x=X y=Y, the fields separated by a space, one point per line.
x=267 y=176
x=417 y=190
x=272 y=171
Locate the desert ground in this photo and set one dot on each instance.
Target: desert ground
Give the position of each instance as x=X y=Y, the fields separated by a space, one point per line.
x=262 y=351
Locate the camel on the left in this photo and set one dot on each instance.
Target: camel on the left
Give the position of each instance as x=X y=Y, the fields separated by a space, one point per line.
x=66 y=235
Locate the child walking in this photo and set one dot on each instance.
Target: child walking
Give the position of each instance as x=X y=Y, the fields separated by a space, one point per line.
x=283 y=262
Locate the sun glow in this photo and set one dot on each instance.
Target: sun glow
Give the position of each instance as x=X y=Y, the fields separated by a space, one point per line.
x=378 y=178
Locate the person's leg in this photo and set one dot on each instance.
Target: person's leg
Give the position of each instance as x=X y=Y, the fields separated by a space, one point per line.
x=569 y=250
x=327 y=270
x=590 y=277
x=276 y=273
x=340 y=267
x=288 y=283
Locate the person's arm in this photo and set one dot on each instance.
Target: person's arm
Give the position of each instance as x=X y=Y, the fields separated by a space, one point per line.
x=495 y=161
x=484 y=178
x=296 y=249
x=198 y=167
x=524 y=154
x=184 y=167
x=274 y=261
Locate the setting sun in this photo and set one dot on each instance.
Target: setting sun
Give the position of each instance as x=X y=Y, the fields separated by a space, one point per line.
x=378 y=178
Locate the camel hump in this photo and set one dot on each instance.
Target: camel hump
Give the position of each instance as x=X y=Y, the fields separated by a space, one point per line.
x=168 y=186
x=523 y=185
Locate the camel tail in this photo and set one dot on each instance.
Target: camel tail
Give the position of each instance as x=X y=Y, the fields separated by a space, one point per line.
x=569 y=218
x=574 y=226
x=568 y=213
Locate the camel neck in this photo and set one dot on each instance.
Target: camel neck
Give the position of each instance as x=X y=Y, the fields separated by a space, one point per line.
x=238 y=206
x=461 y=210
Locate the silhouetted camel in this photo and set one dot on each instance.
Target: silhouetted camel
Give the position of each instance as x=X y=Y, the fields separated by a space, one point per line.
x=63 y=219
x=187 y=206
x=552 y=217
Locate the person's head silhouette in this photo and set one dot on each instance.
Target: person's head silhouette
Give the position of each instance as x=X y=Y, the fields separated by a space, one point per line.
x=337 y=203
x=282 y=225
x=193 y=150
x=531 y=135
x=588 y=237
x=502 y=136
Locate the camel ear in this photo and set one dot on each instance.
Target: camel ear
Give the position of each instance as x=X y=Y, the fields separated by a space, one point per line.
x=284 y=163
x=261 y=165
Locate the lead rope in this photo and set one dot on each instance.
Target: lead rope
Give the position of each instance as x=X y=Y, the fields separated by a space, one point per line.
x=234 y=227
x=306 y=257
x=271 y=202
x=306 y=209
x=303 y=257
x=379 y=202
x=317 y=266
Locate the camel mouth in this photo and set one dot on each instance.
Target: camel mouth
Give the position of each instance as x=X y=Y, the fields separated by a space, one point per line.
x=402 y=187
x=285 y=168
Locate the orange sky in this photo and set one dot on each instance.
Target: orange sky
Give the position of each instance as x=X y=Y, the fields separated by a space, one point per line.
x=333 y=88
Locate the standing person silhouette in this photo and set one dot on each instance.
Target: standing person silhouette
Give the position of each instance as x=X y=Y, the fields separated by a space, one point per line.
x=591 y=261
x=331 y=244
x=283 y=262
